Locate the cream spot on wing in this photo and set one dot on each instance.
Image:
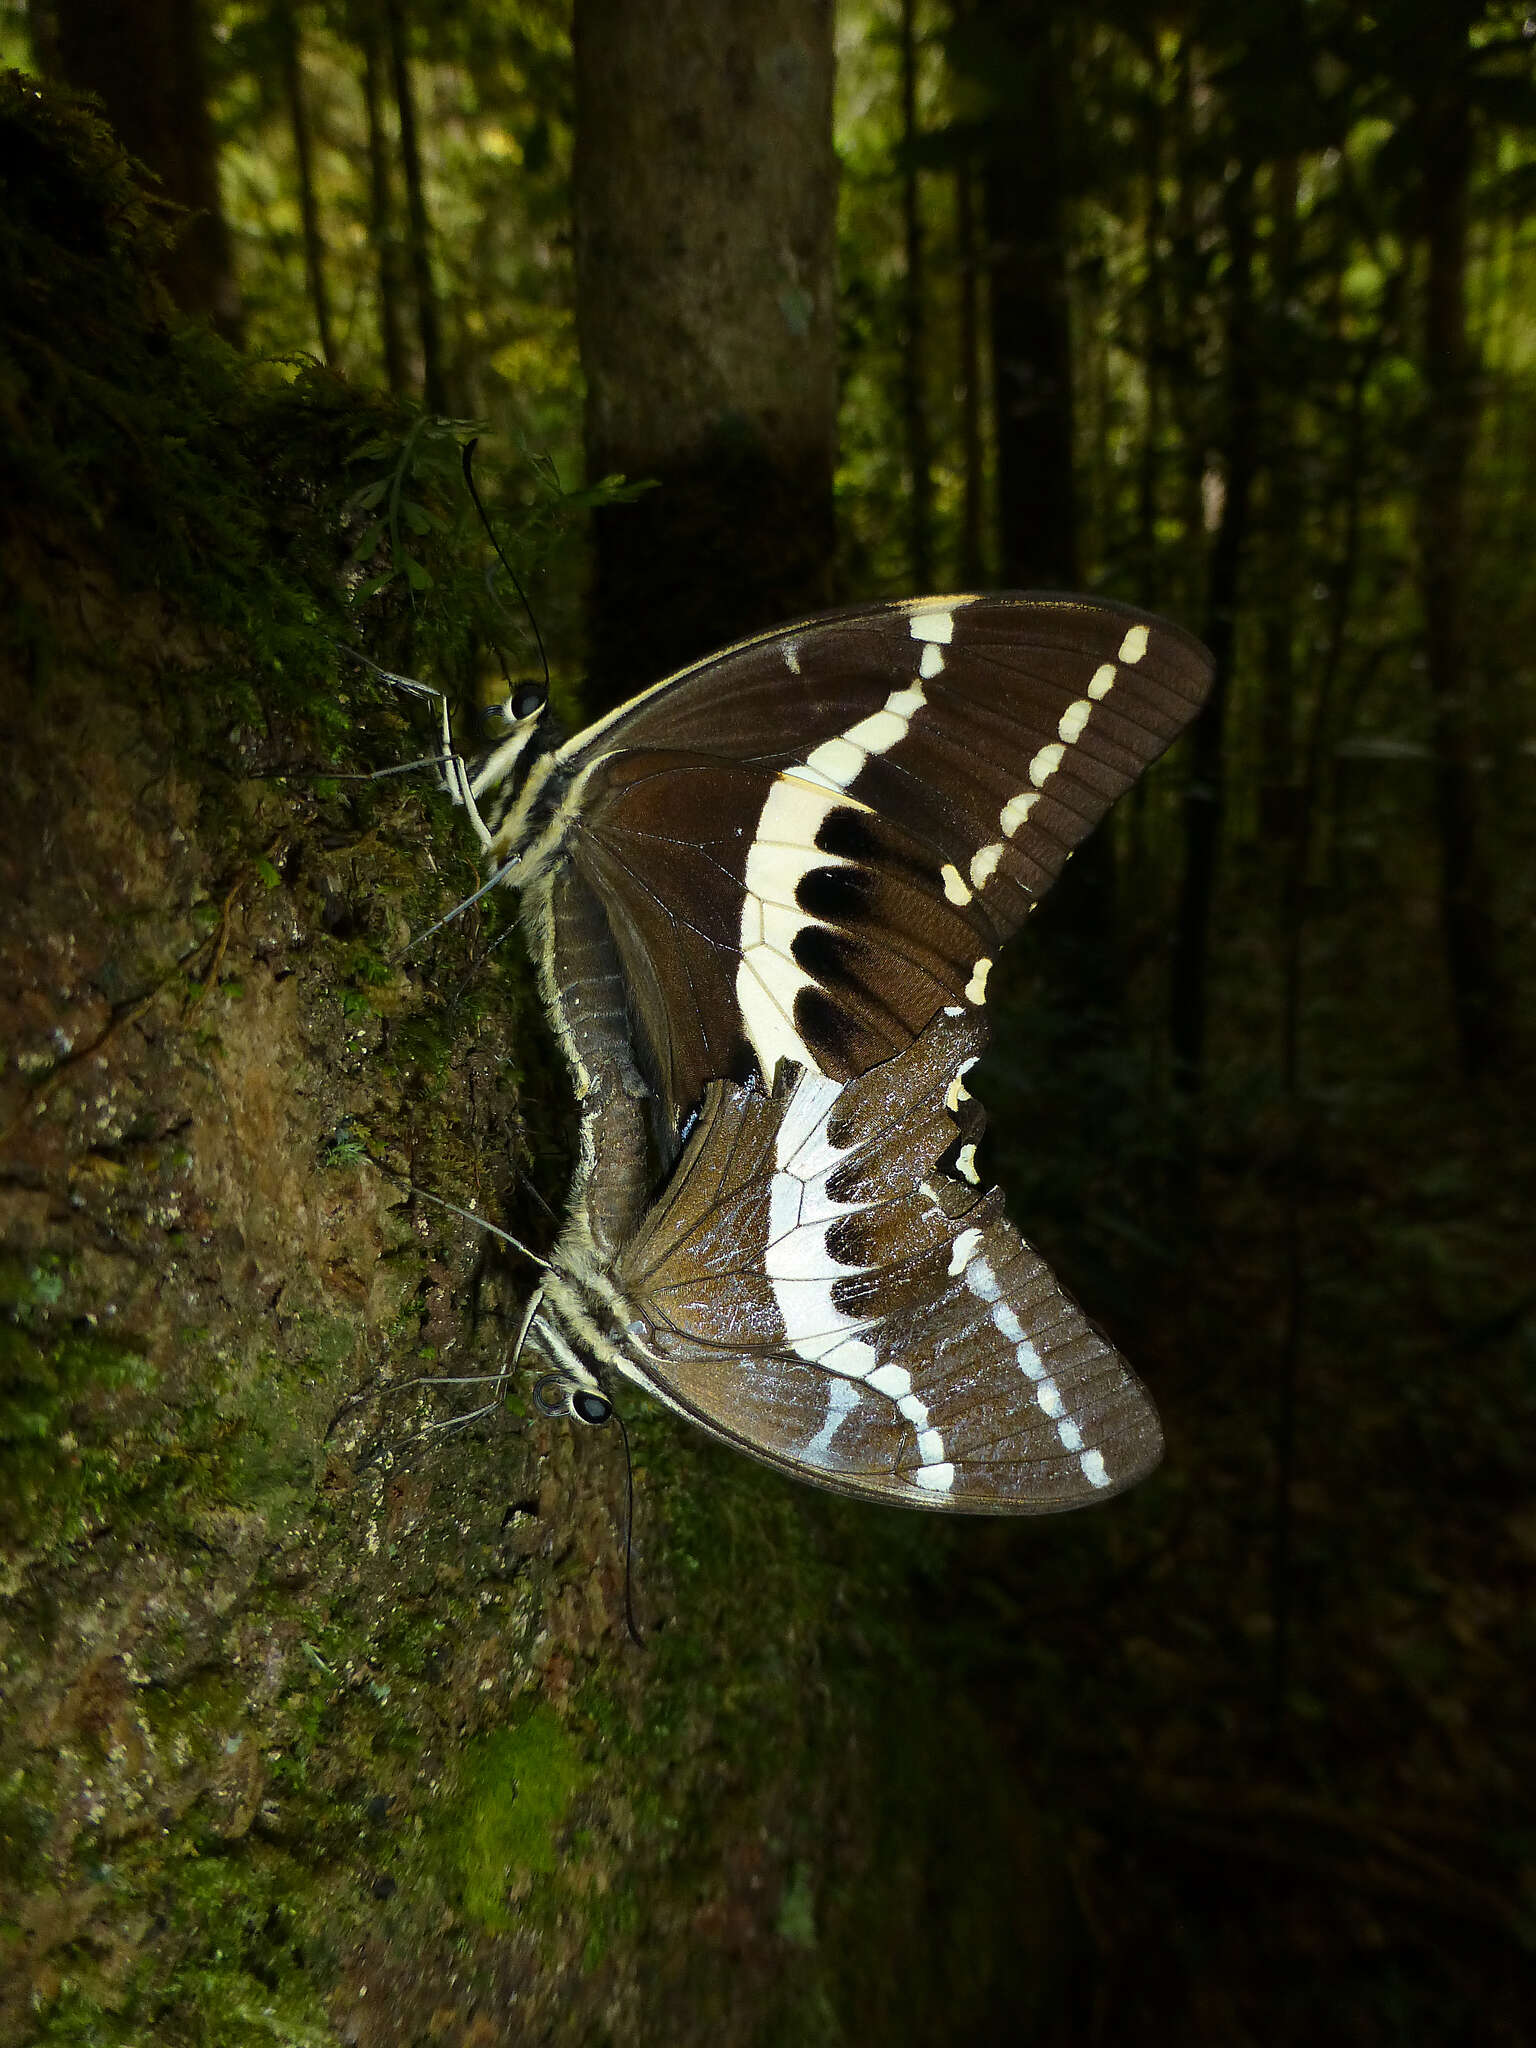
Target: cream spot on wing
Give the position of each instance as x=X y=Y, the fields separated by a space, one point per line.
x=791 y=657
x=1092 y=1463
x=1103 y=681
x=938 y=626
x=878 y=733
x=954 y=884
x=1071 y=1436
x=1007 y=1323
x=981 y=1280
x=1133 y=646
x=836 y=762
x=932 y=662
x=1016 y=810
x=905 y=702
x=965 y=1165
x=935 y=1478
x=842 y=1399
x=1046 y=762
x=854 y=1356
x=957 y=1092
x=766 y=987
x=892 y=1380
x=984 y=864
x=1029 y=1360
x=976 y=987
x=1073 y=719
x=964 y=1251
x=953 y=1010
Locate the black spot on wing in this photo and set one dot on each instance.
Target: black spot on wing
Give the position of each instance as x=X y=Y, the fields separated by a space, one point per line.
x=847 y=1241
x=838 y=1040
x=838 y=895
x=742 y=1067
x=824 y=954
x=848 y=834
x=876 y=842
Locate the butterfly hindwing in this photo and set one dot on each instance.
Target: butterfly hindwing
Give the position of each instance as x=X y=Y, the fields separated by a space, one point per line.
x=813 y=1288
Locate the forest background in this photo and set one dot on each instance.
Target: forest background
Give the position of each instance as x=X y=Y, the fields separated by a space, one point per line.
x=1228 y=312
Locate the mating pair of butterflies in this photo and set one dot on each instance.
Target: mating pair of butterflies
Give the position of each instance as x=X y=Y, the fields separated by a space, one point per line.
x=765 y=898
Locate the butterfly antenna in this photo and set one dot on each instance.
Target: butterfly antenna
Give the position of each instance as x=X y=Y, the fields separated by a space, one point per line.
x=629 y=1536
x=481 y=1223
x=469 y=479
x=469 y=1216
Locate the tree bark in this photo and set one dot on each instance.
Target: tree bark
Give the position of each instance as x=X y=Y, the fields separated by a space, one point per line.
x=381 y=212
x=1283 y=511
x=147 y=63
x=434 y=385
x=1480 y=991
x=705 y=187
x=1204 y=795
x=1031 y=338
x=286 y=28
x=1031 y=323
x=914 y=354
x=969 y=340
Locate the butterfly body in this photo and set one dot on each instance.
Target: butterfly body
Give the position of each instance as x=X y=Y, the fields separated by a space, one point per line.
x=764 y=900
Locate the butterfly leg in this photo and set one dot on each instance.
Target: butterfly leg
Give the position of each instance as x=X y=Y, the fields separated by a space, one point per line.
x=452 y=768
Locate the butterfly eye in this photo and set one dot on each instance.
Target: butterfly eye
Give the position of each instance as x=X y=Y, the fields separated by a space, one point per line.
x=554 y=1396
x=526 y=699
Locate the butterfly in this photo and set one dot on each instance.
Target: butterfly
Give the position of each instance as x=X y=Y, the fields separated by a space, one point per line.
x=764 y=899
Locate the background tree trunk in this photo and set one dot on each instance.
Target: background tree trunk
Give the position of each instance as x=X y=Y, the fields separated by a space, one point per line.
x=1203 y=800
x=1480 y=993
x=146 y=62
x=1031 y=316
x=968 y=338
x=1020 y=43
x=286 y=28
x=382 y=232
x=434 y=383
x=705 y=187
x=914 y=351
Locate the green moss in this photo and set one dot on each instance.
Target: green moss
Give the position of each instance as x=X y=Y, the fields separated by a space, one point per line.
x=56 y=1479
x=797 y=1909
x=26 y=1822
x=517 y=1787
x=244 y=1976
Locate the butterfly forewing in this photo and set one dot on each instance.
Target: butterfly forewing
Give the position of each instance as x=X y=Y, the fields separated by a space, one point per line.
x=812 y=843
x=814 y=1289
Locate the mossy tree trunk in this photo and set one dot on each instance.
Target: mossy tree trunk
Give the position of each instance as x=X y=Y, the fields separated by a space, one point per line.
x=319 y=1722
